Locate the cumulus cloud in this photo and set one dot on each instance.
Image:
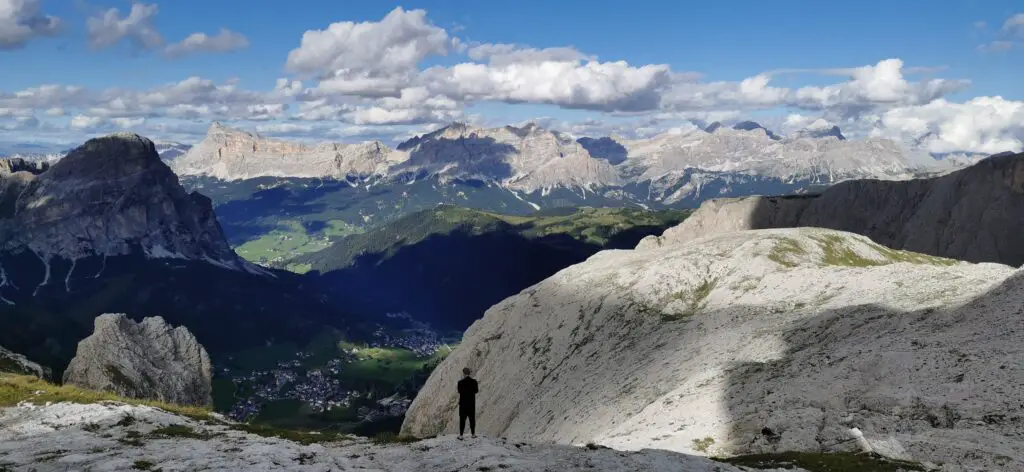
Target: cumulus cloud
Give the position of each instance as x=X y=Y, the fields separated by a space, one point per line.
x=225 y=41
x=871 y=86
x=393 y=46
x=109 y=28
x=21 y=20
x=592 y=85
x=983 y=125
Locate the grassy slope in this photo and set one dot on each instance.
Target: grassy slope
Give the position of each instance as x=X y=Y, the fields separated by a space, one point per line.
x=15 y=389
x=593 y=226
x=441 y=266
x=289 y=239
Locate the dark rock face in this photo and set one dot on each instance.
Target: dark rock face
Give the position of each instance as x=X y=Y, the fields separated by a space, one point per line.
x=751 y=125
x=819 y=133
x=104 y=198
x=147 y=360
x=605 y=148
x=973 y=214
x=17 y=164
x=12 y=362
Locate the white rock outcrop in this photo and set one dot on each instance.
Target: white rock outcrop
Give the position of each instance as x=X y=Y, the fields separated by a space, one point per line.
x=67 y=436
x=754 y=341
x=147 y=360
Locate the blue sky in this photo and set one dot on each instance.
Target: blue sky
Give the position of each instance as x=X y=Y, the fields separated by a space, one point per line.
x=971 y=48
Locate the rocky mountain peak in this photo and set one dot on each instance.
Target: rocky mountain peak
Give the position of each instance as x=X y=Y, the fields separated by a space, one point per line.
x=753 y=126
x=820 y=129
x=148 y=360
x=111 y=196
x=713 y=127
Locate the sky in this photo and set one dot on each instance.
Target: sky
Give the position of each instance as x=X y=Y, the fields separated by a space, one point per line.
x=945 y=77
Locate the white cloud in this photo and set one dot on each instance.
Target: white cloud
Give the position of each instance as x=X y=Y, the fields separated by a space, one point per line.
x=872 y=86
x=86 y=123
x=55 y=111
x=127 y=123
x=505 y=54
x=592 y=85
x=20 y=21
x=224 y=41
x=393 y=46
x=996 y=46
x=15 y=112
x=983 y=125
x=109 y=28
x=1014 y=26
x=403 y=116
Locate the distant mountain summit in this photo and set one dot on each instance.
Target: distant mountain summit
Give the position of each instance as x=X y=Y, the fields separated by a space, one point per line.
x=232 y=154
x=752 y=125
x=820 y=129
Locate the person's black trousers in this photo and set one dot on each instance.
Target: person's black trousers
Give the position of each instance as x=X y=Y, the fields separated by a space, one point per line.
x=467 y=411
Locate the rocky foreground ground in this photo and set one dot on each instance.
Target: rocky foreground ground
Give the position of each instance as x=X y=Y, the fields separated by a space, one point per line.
x=114 y=436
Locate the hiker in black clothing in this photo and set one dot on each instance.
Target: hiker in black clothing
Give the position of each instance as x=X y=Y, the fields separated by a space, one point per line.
x=467 y=403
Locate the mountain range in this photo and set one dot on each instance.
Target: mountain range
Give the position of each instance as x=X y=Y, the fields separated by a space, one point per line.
x=530 y=159
x=261 y=185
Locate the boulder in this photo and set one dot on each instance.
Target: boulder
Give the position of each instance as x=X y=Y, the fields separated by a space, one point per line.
x=148 y=360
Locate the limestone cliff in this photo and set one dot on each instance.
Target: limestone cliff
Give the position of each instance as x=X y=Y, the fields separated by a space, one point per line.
x=147 y=360
x=232 y=154
x=754 y=341
x=973 y=214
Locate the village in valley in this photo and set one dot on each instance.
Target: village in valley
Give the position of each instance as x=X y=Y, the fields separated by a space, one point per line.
x=357 y=383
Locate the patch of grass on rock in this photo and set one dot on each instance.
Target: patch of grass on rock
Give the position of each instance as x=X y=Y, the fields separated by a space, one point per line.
x=302 y=437
x=824 y=462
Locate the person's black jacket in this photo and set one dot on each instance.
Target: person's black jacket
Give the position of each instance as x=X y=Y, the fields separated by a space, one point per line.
x=467 y=391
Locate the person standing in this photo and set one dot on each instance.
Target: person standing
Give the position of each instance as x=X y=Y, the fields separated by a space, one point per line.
x=467 y=403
